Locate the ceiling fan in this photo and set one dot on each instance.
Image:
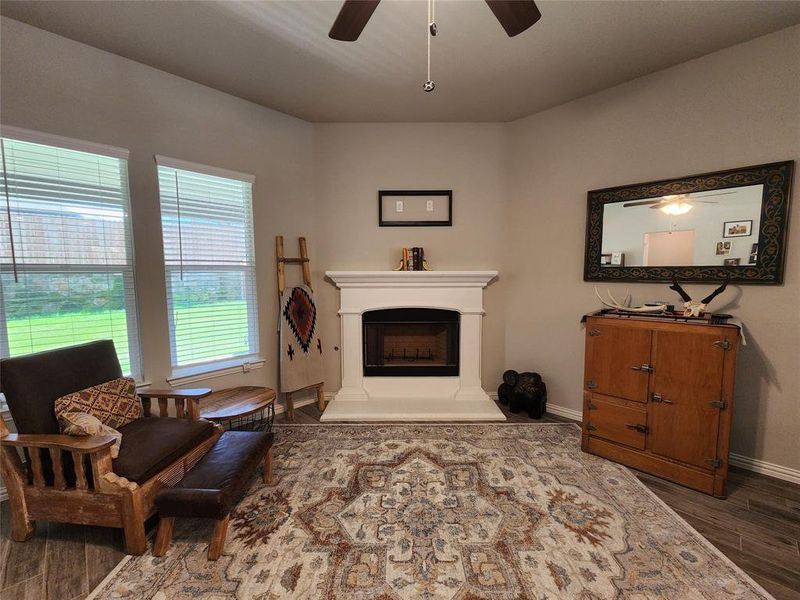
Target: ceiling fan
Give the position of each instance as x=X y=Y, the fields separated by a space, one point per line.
x=514 y=15
x=677 y=204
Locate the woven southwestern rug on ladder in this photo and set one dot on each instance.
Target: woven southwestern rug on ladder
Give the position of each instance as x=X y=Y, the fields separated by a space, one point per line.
x=435 y=512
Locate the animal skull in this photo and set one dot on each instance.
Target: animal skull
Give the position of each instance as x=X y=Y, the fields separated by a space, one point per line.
x=695 y=308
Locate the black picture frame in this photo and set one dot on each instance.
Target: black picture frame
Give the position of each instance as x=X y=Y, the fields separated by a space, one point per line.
x=725 y=229
x=769 y=270
x=382 y=222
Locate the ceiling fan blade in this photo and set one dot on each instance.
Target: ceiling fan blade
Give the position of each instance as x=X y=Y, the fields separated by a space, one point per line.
x=695 y=194
x=352 y=19
x=515 y=15
x=642 y=203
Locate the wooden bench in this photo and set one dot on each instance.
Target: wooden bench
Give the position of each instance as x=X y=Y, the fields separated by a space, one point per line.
x=213 y=486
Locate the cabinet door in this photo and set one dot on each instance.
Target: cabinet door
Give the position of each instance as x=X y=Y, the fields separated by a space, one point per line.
x=683 y=424
x=615 y=355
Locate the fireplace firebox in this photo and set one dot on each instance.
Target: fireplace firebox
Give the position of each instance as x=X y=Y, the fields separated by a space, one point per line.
x=411 y=342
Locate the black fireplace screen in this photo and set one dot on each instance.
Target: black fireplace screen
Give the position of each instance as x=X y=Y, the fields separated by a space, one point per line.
x=415 y=342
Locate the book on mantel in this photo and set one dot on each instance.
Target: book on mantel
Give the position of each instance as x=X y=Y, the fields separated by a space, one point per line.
x=413 y=259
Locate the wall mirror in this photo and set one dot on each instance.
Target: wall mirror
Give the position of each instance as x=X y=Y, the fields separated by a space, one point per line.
x=701 y=228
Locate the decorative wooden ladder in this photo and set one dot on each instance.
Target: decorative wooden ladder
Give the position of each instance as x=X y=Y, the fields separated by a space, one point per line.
x=304 y=262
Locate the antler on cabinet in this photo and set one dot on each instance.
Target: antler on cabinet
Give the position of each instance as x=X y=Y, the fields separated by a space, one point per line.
x=624 y=306
x=716 y=292
x=677 y=287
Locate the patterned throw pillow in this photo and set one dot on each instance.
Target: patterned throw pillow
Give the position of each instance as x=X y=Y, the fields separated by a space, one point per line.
x=81 y=423
x=115 y=402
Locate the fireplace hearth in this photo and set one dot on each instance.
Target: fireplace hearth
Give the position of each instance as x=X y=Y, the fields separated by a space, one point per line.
x=410 y=342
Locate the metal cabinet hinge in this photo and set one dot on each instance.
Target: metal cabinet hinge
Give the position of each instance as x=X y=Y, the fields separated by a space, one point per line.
x=589 y=426
x=637 y=427
x=594 y=332
x=724 y=344
x=591 y=406
x=714 y=462
x=656 y=397
x=719 y=403
x=591 y=384
x=644 y=368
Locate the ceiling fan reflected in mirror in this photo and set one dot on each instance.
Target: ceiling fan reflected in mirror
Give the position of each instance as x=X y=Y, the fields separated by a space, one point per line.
x=514 y=15
x=676 y=204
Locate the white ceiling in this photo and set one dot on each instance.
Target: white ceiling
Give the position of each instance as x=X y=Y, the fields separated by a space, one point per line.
x=278 y=53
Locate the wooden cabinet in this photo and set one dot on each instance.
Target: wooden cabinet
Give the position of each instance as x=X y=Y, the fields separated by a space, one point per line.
x=658 y=397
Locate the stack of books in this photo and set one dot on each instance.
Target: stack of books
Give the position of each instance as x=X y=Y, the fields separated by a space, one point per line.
x=413 y=259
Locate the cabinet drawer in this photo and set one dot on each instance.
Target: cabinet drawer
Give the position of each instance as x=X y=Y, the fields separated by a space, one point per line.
x=615 y=421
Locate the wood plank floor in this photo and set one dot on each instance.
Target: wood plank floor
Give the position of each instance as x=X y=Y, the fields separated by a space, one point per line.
x=757 y=527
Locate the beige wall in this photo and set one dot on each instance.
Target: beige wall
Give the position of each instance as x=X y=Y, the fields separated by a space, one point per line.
x=353 y=161
x=738 y=107
x=54 y=85
x=519 y=197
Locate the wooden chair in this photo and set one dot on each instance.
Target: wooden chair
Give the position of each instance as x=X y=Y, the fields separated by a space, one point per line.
x=74 y=479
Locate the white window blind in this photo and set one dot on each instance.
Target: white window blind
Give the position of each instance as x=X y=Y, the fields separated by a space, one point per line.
x=207 y=223
x=66 y=255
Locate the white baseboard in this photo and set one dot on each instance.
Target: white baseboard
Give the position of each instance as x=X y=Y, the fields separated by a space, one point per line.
x=561 y=411
x=765 y=468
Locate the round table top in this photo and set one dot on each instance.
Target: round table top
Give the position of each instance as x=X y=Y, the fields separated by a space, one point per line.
x=232 y=403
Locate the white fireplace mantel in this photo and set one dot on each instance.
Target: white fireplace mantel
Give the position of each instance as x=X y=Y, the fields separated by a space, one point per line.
x=392 y=279
x=458 y=397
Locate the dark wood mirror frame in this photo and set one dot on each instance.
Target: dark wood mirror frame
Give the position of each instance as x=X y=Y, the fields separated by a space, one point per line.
x=777 y=181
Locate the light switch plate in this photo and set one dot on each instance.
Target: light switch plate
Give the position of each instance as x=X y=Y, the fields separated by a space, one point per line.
x=398 y=206
x=429 y=206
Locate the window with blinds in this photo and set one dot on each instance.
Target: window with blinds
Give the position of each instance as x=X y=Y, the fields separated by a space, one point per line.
x=66 y=256
x=207 y=223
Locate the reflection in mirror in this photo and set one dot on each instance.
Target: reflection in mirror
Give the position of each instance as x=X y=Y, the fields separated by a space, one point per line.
x=709 y=228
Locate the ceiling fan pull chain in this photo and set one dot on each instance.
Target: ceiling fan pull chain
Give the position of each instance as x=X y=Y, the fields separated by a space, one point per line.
x=429 y=84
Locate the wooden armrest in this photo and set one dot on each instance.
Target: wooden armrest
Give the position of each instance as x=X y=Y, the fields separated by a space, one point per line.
x=180 y=393
x=87 y=444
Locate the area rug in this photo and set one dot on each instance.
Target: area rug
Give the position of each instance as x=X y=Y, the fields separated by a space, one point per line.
x=436 y=512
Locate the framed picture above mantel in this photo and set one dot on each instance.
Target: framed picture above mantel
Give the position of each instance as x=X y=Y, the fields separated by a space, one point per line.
x=415 y=208
x=727 y=225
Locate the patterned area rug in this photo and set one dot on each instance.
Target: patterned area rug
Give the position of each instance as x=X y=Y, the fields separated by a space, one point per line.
x=437 y=512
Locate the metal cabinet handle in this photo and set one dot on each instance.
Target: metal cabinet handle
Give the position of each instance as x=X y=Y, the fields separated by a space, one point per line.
x=643 y=368
x=656 y=397
x=637 y=427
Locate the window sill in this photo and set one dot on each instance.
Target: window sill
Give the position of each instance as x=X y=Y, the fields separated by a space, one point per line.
x=186 y=375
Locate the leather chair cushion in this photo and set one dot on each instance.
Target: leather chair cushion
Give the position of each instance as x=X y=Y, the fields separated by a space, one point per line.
x=151 y=444
x=211 y=488
x=33 y=382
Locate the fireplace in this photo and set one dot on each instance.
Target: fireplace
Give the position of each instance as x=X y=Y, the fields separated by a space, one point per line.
x=402 y=362
x=410 y=342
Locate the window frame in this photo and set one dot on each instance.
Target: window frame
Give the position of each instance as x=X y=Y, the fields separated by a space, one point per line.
x=182 y=374
x=128 y=272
